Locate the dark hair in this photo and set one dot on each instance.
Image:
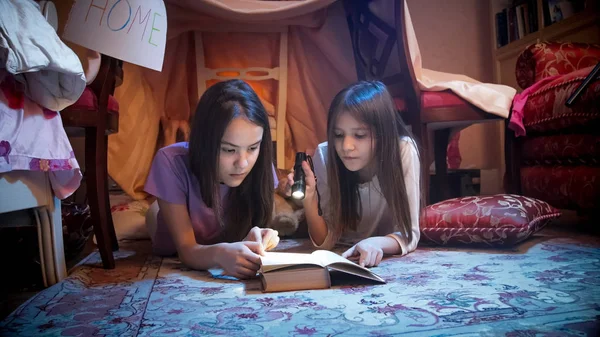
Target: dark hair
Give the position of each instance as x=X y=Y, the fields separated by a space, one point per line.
x=368 y=102
x=253 y=199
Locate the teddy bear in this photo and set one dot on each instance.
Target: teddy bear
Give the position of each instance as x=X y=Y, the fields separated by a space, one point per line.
x=288 y=214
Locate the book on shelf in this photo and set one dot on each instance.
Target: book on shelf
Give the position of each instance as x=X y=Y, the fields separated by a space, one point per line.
x=300 y=271
x=516 y=21
x=557 y=10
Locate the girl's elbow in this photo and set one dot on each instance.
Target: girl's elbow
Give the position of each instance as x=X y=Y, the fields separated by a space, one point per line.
x=325 y=245
x=185 y=254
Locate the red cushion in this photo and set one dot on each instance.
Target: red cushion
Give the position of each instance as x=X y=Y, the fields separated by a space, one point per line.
x=438 y=99
x=434 y=99
x=497 y=220
x=546 y=59
x=88 y=101
x=545 y=109
x=568 y=187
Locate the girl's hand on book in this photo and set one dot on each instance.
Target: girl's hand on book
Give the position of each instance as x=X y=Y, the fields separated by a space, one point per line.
x=267 y=237
x=270 y=238
x=368 y=254
x=240 y=259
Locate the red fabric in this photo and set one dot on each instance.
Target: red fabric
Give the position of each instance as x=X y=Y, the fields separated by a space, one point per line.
x=497 y=220
x=434 y=99
x=14 y=95
x=518 y=106
x=546 y=59
x=569 y=149
x=438 y=99
x=88 y=101
x=545 y=108
x=454 y=158
x=400 y=105
x=575 y=187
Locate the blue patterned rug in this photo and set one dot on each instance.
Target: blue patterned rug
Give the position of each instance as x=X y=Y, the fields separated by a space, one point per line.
x=545 y=287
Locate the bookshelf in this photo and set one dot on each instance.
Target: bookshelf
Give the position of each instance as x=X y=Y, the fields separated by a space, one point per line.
x=581 y=23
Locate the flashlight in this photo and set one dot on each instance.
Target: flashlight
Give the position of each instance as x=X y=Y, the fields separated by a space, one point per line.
x=299 y=186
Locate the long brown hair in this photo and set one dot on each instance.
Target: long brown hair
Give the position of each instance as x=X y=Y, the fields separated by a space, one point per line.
x=370 y=103
x=252 y=201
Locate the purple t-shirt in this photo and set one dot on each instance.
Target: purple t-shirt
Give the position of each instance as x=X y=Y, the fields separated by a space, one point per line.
x=171 y=180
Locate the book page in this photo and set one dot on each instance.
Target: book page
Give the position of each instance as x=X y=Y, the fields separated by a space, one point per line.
x=327 y=257
x=337 y=262
x=274 y=260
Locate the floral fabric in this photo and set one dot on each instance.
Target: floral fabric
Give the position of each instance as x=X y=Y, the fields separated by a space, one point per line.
x=545 y=109
x=546 y=59
x=497 y=220
x=566 y=187
x=129 y=217
x=33 y=138
x=568 y=149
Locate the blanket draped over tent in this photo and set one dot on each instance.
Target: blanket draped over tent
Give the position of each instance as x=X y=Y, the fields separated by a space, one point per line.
x=320 y=63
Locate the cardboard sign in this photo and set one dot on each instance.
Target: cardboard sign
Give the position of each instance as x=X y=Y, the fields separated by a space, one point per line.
x=134 y=31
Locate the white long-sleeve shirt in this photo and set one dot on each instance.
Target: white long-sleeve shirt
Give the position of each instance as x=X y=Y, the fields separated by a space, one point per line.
x=376 y=218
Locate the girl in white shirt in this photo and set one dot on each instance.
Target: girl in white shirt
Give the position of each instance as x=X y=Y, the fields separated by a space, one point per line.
x=368 y=176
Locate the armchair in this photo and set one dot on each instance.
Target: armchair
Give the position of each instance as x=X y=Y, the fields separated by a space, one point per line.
x=557 y=158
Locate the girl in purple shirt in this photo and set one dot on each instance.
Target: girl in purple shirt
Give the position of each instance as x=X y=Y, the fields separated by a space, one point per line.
x=215 y=193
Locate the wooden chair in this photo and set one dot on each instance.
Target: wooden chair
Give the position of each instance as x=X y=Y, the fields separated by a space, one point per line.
x=97 y=113
x=279 y=73
x=373 y=43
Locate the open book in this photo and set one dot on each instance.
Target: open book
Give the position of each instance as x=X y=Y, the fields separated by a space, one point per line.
x=297 y=271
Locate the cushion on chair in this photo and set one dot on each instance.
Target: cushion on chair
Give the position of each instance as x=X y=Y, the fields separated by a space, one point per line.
x=547 y=59
x=568 y=187
x=88 y=101
x=545 y=109
x=497 y=220
x=567 y=149
x=434 y=99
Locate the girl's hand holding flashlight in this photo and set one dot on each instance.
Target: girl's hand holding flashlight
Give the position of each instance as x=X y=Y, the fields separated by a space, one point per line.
x=311 y=183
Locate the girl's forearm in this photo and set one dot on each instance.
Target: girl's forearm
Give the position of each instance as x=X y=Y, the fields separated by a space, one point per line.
x=200 y=257
x=388 y=245
x=317 y=228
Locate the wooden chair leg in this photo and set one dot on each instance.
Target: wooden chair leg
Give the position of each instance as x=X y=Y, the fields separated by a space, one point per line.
x=95 y=163
x=111 y=225
x=441 y=139
x=420 y=133
x=512 y=152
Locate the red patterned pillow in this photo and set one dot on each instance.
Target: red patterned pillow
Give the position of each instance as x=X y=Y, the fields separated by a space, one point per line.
x=497 y=220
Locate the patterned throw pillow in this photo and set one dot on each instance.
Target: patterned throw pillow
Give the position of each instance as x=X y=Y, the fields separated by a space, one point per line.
x=497 y=220
x=129 y=217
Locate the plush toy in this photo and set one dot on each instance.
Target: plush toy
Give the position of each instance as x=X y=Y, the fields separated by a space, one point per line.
x=288 y=215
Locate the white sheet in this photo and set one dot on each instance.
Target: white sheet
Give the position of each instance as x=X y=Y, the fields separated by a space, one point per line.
x=31 y=50
x=493 y=98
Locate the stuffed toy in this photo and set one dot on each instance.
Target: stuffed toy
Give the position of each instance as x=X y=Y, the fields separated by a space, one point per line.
x=288 y=214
